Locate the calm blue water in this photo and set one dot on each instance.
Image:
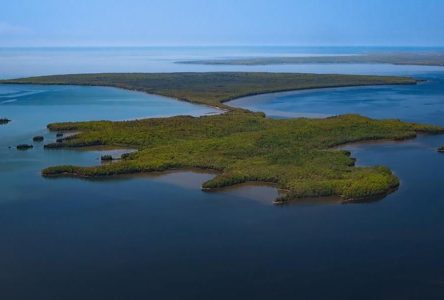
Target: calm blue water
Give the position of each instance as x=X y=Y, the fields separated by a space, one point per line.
x=160 y=237
x=423 y=102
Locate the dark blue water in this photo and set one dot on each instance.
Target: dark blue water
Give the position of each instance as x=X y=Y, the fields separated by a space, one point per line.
x=160 y=237
x=423 y=102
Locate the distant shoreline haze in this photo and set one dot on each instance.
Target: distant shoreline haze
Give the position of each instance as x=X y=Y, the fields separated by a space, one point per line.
x=431 y=58
x=25 y=62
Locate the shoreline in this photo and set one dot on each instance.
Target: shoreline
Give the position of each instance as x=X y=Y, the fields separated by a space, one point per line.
x=317 y=88
x=321 y=89
x=433 y=59
x=5 y=82
x=225 y=108
x=215 y=89
x=213 y=172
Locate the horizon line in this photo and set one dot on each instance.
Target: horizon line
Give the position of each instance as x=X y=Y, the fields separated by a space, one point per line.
x=219 y=45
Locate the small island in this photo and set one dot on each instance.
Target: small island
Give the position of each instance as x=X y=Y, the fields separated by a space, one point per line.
x=38 y=138
x=4 y=121
x=298 y=156
x=24 y=147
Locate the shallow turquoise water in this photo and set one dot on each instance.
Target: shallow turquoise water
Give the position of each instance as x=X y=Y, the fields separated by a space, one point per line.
x=32 y=107
x=161 y=237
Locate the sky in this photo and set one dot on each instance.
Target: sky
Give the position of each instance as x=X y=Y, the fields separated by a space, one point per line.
x=221 y=22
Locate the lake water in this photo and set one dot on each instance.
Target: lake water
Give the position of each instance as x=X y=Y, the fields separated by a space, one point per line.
x=161 y=237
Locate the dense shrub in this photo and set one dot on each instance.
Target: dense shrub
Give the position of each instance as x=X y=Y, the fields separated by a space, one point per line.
x=4 y=121
x=24 y=147
x=106 y=157
x=38 y=138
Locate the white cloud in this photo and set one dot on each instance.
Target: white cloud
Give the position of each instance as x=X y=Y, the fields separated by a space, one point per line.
x=11 y=29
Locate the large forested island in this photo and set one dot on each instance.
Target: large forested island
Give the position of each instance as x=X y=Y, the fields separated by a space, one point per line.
x=296 y=155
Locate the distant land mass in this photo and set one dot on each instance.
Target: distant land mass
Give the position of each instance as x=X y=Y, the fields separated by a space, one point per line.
x=423 y=59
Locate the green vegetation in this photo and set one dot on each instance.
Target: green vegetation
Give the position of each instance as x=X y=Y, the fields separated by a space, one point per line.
x=297 y=155
x=424 y=59
x=106 y=157
x=125 y=156
x=214 y=88
x=24 y=147
x=58 y=143
x=38 y=138
x=4 y=121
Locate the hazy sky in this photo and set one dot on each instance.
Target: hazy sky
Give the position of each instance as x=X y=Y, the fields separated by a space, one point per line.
x=221 y=22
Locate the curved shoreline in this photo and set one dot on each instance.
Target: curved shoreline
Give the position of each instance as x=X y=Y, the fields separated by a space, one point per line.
x=314 y=89
x=283 y=198
x=214 y=88
x=325 y=89
x=224 y=108
x=435 y=59
x=282 y=192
